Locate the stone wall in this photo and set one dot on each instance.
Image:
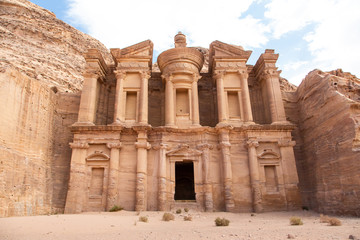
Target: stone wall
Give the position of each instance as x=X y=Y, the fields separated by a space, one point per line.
x=327 y=137
x=26 y=139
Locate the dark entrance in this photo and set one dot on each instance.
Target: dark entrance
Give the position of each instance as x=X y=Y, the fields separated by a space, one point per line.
x=184 y=181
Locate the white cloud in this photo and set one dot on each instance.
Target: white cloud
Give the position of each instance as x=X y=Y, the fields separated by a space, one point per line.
x=123 y=23
x=334 y=37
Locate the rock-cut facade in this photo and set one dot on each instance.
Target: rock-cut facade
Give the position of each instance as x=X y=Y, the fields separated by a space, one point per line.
x=156 y=139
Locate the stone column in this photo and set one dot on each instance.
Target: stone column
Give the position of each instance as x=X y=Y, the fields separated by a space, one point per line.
x=119 y=110
x=254 y=176
x=141 y=170
x=277 y=111
x=162 y=206
x=221 y=96
x=195 y=101
x=169 y=102
x=227 y=171
x=77 y=187
x=87 y=108
x=248 y=117
x=143 y=106
x=209 y=203
x=112 y=194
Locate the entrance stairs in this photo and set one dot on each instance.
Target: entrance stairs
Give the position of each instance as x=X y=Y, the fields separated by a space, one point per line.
x=181 y=204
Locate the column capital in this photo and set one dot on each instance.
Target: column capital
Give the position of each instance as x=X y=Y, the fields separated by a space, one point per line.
x=286 y=143
x=120 y=74
x=142 y=144
x=204 y=146
x=167 y=77
x=243 y=73
x=223 y=145
x=252 y=143
x=114 y=145
x=145 y=74
x=219 y=74
x=92 y=73
x=161 y=146
x=269 y=73
x=79 y=145
x=196 y=77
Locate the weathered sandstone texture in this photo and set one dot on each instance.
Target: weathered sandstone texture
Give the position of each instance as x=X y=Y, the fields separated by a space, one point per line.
x=327 y=113
x=136 y=125
x=36 y=43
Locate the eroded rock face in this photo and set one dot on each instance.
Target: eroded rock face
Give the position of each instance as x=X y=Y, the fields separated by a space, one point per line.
x=36 y=43
x=328 y=137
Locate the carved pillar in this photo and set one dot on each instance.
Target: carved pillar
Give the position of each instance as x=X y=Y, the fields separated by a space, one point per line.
x=76 y=190
x=220 y=95
x=248 y=117
x=143 y=107
x=119 y=110
x=162 y=203
x=169 y=102
x=209 y=203
x=141 y=170
x=112 y=195
x=254 y=176
x=195 y=101
x=227 y=171
x=277 y=111
x=87 y=108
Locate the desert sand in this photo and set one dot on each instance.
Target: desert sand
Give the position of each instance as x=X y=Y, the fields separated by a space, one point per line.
x=126 y=225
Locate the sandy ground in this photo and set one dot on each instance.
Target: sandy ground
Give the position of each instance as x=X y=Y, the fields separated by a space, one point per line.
x=126 y=225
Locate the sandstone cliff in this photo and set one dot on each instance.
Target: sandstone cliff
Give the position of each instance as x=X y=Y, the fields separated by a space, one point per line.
x=36 y=43
x=326 y=110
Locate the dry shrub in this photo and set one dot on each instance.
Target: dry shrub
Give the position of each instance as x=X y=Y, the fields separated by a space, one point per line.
x=143 y=219
x=116 y=208
x=186 y=209
x=178 y=211
x=221 y=222
x=324 y=218
x=187 y=218
x=168 y=216
x=334 y=222
x=295 y=221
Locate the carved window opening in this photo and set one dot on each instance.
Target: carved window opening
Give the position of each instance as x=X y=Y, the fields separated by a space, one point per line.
x=184 y=181
x=233 y=104
x=131 y=105
x=271 y=181
x=182 y=102
x=97 y=182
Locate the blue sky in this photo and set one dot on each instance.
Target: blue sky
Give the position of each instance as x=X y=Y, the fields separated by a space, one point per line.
x=307 y=34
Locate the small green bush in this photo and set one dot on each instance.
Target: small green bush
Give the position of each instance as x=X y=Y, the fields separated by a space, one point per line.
x=168 y=216
x=187 y=218
x=178 y=211
x=221 y=222
x=296 y=221
x=334 y=222
x=116 y=208
x=143 y=219
x=186 y=209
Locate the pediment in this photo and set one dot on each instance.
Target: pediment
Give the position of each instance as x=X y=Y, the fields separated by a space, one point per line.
x=220 y=51
x=184 y=151
x=268 y=154
x=144 y=48
x=98 y=156
x=140 y=52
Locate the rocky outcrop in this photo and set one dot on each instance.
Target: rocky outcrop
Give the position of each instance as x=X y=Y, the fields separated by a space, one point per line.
x=36 y=43
x=327 y=113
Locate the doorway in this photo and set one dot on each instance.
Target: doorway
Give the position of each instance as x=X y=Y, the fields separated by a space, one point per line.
x=184 y=181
